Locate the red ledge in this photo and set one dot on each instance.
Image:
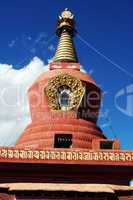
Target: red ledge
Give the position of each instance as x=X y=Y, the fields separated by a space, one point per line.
x=66 y=156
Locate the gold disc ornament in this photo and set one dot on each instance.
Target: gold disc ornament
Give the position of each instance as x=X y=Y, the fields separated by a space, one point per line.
x=64 y=92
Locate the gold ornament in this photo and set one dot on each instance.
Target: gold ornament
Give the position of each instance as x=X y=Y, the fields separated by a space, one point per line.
x=76 y=88
x=66 y=14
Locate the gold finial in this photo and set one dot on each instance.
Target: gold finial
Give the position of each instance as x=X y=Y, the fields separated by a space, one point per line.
x=66 y=20
x=65 y=30
x=67 y=14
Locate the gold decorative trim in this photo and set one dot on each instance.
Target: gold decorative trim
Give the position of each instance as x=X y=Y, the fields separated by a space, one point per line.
x=77 y=91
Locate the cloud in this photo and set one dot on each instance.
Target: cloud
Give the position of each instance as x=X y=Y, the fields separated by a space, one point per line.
x=51 y=48
x=12 y=43
x=14 y=109
x=82 y=69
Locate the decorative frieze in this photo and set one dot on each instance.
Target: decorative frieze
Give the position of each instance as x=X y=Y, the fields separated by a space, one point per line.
x=73 y=155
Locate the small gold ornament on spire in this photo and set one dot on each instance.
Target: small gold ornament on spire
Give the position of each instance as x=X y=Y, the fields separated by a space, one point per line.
x=67 y=14
x=65 y=51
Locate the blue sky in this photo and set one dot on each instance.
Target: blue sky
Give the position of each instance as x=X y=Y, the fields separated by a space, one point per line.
x=27 y=30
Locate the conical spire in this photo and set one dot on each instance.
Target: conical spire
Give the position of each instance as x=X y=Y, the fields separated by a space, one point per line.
x=65 y=51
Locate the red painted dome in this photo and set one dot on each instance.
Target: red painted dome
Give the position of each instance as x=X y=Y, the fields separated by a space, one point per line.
x=46 y=122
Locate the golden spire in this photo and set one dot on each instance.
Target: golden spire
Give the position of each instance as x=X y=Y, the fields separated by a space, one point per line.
x=65 y=51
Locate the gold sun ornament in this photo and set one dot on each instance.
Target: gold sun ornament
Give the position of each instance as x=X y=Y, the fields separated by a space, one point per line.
x=64 y=92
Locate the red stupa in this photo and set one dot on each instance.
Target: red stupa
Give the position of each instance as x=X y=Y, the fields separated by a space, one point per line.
x=63 y=154
x=67 y=101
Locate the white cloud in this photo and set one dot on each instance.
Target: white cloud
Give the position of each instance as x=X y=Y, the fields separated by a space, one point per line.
x=14 y=109
x=82 y=69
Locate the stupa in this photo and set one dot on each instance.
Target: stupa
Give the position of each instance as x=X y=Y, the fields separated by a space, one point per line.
x=67 y=103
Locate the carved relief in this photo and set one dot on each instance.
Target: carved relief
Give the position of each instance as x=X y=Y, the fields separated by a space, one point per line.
x=71 y=87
